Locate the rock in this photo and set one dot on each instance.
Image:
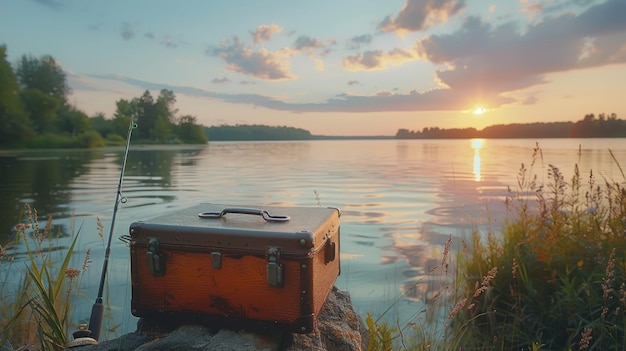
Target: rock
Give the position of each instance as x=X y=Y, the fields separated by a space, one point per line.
x=338 y=328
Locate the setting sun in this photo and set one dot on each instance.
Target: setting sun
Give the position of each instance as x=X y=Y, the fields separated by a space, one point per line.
x=479 y=110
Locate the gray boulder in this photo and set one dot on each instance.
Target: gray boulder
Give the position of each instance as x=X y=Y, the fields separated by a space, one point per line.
x=338 y=328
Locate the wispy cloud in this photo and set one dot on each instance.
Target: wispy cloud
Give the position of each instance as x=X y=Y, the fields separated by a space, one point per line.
x=56 y=4
x=127 y=31
x=222 y=80
x=357 y=41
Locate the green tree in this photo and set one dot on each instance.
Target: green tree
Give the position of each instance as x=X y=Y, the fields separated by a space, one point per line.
x=73 y=121
x=43 y=74
x=14 y=123
x=190 y=132
x=42 y=109
x=146 y=116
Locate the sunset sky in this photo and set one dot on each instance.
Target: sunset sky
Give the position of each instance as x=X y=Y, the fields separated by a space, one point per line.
x=341 y=67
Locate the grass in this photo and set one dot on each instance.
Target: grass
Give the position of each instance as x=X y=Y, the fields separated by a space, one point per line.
x=552 y=279
x=37 y=312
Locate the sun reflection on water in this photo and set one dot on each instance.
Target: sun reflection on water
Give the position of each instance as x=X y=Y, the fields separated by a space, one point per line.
x=477 y=144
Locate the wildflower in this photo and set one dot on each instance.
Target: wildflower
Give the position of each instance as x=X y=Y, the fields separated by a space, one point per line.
x=459 y=305
x=446 y=252
x=585 y=338
x=485 y=283
x=4 y=256
x=592 y=210
x=580 y=263
x=607 y=281
x=87 y=260
x=72 y=273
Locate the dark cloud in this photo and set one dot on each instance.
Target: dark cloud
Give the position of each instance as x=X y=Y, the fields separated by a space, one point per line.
x=127 y=31
x=354 y=82
x=501 y=59
x=418 y=15
x=261 y=64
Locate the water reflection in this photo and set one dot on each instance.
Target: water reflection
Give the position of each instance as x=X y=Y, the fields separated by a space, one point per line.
x=477 y=144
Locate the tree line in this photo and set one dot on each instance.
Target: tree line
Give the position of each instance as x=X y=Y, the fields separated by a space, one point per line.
x=591 y=126
x=35 y=112
x=256 y=132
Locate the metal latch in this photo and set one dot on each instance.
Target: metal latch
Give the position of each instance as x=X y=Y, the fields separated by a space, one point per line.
x=275 y=272
x=216 y=260
x=329 y=251
x=154 y=258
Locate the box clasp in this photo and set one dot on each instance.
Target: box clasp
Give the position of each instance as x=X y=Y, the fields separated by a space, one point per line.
x=155 y=259
x=275 y=272
x=329 y=251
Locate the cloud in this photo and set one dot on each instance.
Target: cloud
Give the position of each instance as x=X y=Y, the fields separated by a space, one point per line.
x=167 y=41
x=127 y=31
x=304 y=43
x=264 y=33
x=418 y=15
x=56 y=4
x=372 y=60
x=433 y=100
x=356 y=42
x=478 y=62
x=501 y=59
x=261 y=64
x=354 y=82
x=222 y=80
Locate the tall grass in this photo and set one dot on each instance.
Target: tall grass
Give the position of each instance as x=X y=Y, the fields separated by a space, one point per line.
x=36 y=313
x=553 y=278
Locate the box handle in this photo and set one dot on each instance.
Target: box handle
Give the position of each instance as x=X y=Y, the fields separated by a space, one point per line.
x=251 y=211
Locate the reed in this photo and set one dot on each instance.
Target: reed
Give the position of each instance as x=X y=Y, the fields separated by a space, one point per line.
x=37 y=312
x=553 y=278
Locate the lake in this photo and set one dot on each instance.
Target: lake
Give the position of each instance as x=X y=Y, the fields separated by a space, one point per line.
x=400 y=200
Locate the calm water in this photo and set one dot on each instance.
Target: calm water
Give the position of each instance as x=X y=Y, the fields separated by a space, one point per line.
x=400 y=199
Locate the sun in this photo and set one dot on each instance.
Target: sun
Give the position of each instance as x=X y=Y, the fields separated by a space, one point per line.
x=479 y=110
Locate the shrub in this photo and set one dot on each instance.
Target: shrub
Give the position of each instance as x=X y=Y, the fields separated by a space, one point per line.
x=555 y=277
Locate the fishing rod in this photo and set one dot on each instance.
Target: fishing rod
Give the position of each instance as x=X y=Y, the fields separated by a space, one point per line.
x=97 y=311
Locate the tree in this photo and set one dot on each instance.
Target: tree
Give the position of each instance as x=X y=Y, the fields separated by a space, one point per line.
x=43 y=74
x=42 y=109
x=190 y=132
x=14 y=123
x=146 y=115
x=73 y=121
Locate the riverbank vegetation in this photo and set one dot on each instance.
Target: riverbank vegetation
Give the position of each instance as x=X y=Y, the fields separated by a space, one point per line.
x=35 y=112
x=554 y=278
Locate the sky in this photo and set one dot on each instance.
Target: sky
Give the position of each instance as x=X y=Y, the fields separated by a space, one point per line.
x=341 y=67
